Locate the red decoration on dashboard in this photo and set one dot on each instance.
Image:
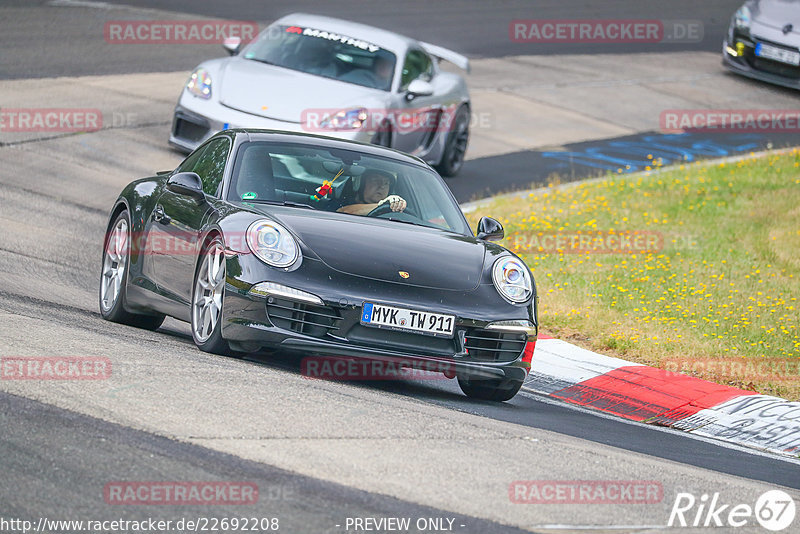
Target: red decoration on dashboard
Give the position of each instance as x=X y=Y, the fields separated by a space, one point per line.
x=323 y=191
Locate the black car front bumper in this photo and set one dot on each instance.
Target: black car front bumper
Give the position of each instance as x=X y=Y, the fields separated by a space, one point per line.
x=334 y=328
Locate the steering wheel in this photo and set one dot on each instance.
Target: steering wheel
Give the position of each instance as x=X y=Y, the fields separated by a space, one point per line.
x=386 y=208
x=381 y=209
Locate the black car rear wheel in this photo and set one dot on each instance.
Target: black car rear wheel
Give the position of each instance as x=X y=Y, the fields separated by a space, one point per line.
x=114 y=277
x=209 y=289
x=494 y=389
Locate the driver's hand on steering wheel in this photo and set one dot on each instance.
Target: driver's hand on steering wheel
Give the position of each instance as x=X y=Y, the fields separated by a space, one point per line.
x=396 y=202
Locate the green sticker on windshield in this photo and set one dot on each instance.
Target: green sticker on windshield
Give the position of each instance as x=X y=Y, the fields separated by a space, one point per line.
x=250 y=195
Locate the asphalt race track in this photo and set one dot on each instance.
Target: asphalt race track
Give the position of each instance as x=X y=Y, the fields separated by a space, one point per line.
x=480 y=29
x=533 y=168
x=84 y=441
x=319 y=452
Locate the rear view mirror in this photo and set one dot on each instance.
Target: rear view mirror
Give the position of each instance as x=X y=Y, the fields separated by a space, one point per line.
x=419 y=88
x=186 y=183
x=232 y=45
x=490 y=229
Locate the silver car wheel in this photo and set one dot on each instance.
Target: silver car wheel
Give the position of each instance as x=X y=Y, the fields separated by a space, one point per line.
x=114 y=263
x=210 y=283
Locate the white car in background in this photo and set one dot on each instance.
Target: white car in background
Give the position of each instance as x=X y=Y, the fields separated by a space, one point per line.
x=308 y=73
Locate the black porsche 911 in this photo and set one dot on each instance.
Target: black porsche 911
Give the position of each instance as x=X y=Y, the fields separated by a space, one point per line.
x=268 y=240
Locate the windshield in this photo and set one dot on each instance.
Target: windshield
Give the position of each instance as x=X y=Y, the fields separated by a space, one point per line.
x=327 y=54
x=343 y=181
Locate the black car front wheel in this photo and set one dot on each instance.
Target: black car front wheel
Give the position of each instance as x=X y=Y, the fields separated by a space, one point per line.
x=114 y=277
x=494 y=389
x=209 y=289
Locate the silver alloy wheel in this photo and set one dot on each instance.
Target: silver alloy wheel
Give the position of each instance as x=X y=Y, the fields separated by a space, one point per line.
x=114 y=263
x=210 y=283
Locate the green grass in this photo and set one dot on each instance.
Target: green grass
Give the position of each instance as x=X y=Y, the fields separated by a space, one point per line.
x=722 y=286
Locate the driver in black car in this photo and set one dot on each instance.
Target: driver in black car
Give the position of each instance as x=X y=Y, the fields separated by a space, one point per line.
x=374 y=191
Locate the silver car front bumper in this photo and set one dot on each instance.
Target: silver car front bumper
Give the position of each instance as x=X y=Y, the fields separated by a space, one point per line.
x=196 y=119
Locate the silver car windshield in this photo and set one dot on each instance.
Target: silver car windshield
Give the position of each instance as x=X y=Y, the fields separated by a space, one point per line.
x=327 y=54
x=343 y=181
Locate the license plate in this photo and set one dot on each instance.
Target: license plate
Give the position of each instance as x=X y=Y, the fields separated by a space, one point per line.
x=778 y=54
x=420 y=322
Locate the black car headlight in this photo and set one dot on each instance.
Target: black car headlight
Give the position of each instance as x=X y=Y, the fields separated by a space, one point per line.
x=272 y=243
x=511 y=279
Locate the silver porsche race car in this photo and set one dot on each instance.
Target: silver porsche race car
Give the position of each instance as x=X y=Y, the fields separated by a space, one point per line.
x=308 y=73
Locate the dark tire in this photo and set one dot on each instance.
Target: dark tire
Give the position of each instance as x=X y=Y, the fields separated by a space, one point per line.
x=498 y=389
x=207 y=298
x=114 y=277
x=383 y=137
x=455 y=146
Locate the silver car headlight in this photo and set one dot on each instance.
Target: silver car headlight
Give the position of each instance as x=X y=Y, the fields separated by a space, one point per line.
x=272 y=243
x=742 y=18
x=511 y=279
x=199 y=83
x=345 y=119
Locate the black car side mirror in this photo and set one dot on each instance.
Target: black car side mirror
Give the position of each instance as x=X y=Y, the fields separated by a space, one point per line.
x=186 y=183
x=490 y=229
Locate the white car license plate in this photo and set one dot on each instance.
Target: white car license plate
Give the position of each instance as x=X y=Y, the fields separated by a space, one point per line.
x=431 y=324
x=778 y=54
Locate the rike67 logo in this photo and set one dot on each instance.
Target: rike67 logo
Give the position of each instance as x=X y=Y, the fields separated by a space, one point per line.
x=774 y=510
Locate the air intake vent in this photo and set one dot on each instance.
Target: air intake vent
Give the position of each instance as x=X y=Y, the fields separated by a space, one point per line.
x=775 y=67
x=189 y=130
x=494 y=346
x=302 y=318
